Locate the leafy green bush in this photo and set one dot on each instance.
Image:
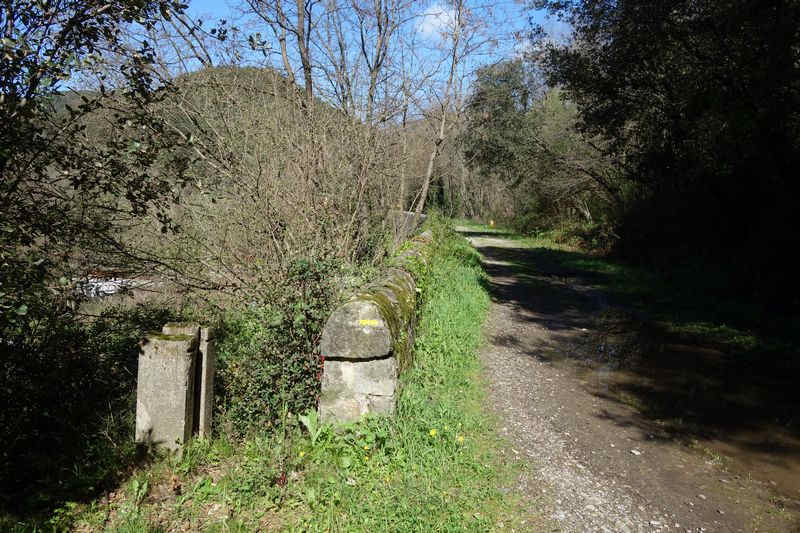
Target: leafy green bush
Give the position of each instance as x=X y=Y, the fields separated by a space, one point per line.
x=267 y=355
x=587 y=236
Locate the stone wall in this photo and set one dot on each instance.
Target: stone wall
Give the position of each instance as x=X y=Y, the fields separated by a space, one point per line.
x=405 y=223
x=367 y=342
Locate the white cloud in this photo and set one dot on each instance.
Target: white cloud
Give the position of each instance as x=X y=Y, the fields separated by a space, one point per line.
x=436 y=20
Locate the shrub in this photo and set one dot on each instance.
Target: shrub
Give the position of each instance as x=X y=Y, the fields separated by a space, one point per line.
x=267 y=355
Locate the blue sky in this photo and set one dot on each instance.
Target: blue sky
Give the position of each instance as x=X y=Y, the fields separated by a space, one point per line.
x=509 y=16
x=506 y=23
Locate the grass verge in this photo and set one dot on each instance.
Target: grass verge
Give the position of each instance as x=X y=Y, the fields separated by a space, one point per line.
x=432 y=467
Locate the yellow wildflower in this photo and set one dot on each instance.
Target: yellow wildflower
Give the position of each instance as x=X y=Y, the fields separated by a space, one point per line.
x=366 y=447
x=460 y=439
x=432 y=432
x=302 y=454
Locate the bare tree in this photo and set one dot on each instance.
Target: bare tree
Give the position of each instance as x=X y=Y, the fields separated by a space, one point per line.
x=296 y=19
x=454 y=37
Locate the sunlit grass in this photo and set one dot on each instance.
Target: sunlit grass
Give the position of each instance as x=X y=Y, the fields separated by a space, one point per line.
x=432 y=467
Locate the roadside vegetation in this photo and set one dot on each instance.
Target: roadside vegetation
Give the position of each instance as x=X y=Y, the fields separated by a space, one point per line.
x=432 y=467
x=245 y=175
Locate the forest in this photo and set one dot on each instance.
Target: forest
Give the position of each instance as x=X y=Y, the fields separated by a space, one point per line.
x=243 y=172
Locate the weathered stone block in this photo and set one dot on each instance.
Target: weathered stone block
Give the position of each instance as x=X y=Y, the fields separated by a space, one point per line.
x=165 y=390
x=356 y=330
x=181 y=328
x=205 y=366
x=350 y=408
x=351 y=389
x=377 y=377
x=338 y=407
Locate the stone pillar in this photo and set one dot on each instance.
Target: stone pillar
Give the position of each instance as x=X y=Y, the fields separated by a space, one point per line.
x=366 y=342
x=205 y=366
x=193 y=330
x=175 y=391
x=208 y=363
x=165 y=390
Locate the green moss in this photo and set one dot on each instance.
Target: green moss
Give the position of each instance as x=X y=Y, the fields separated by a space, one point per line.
x=181 y=325
x=399 y=316
x=157 y=335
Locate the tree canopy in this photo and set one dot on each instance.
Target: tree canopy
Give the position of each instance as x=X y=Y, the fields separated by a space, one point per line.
x=62 y=183
x=700 y=103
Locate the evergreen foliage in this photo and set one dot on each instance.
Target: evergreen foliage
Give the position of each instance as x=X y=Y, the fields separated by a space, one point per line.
x=700 y=104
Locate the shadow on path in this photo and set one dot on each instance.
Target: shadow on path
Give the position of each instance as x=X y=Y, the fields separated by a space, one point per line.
x=743 y=407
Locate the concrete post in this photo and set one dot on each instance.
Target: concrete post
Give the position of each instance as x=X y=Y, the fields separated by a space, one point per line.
x=165 y=390
x=175 y=392
x=208 y=362
x=193 y=330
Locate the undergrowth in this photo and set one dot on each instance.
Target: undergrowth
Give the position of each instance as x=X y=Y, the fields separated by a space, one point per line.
x=431 y=467
x=68 y=397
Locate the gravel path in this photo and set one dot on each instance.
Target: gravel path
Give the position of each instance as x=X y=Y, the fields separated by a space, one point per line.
x=590 y=463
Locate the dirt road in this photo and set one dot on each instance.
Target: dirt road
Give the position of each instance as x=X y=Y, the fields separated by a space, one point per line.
x=593 y=462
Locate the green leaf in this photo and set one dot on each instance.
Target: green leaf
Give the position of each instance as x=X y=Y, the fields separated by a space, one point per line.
x=22 y=310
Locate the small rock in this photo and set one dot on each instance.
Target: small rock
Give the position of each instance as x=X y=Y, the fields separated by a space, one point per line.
x=636 y=452
x=655 y=523
x=701 y=496
x=720 y=511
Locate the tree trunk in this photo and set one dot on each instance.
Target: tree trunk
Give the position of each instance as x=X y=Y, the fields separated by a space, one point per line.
x=303 y=47
x=440 y=137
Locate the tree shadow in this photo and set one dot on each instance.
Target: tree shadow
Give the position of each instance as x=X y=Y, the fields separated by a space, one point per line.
x=486 y=233
x=688 y=378
x=69 y=426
